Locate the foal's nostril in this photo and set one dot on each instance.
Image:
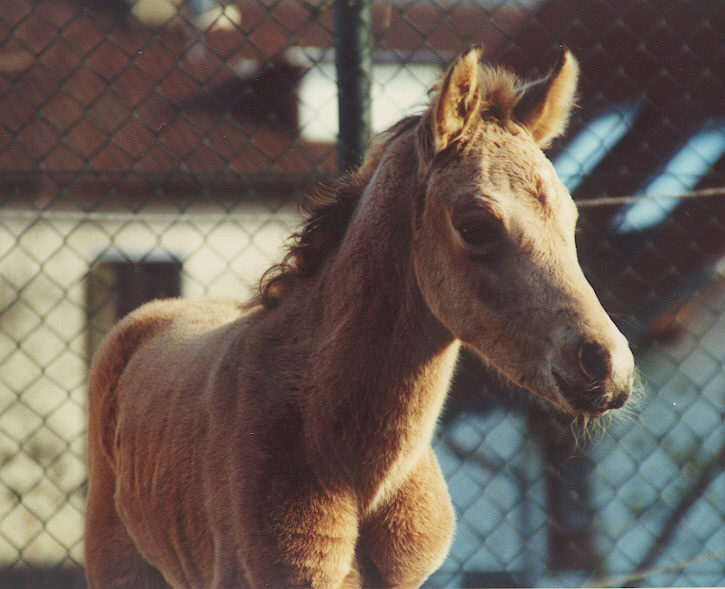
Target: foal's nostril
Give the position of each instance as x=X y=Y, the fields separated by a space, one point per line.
x=617 y=402
x=594 y=361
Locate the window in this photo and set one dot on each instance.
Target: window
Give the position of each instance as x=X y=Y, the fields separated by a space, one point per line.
x=207 y=15
x=116 y=286
x=398 y=89
x=589 y=147
x=681 y=174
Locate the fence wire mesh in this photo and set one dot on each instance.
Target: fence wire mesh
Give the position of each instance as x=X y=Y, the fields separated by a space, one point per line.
x=159 y=147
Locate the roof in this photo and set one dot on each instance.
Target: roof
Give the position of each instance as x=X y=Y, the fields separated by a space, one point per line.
x=81 y=92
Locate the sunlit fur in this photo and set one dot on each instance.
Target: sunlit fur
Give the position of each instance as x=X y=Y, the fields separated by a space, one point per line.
x=287 y=441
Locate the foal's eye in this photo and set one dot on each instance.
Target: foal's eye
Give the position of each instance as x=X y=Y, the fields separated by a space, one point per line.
x=480 y=233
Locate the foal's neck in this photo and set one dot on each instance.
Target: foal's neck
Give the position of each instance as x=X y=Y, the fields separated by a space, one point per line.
x=386 y=361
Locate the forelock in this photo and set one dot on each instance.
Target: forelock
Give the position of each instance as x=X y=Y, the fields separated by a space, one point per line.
x=501 y=91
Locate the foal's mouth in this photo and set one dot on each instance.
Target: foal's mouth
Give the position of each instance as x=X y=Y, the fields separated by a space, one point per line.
x=591 y=399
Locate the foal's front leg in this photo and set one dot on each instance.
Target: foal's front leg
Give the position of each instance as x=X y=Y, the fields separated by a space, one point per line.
x=409 y=538
x=303 y=537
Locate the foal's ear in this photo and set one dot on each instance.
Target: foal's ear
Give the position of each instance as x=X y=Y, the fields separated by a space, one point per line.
x=458 y=100
x=545 y=105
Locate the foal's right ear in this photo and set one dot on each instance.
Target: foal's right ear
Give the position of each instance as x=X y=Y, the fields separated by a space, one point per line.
x=458 y=99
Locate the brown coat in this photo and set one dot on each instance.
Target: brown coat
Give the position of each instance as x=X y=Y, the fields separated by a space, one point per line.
x=288 y=442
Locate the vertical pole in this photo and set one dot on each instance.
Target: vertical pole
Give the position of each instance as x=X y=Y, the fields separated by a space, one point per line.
x=353 y=63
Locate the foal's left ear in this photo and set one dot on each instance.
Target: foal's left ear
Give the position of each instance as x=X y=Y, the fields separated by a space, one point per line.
x=545 y=105
x=458 y=100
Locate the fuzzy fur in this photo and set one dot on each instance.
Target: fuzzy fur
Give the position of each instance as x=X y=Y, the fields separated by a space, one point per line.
x=287 y=443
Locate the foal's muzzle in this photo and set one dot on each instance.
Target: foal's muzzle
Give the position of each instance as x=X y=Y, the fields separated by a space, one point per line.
x=602 y=380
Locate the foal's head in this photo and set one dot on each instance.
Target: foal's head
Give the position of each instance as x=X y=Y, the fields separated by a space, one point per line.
x=494 y=251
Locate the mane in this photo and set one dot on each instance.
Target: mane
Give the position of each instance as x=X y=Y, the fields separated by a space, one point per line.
x=327 y=213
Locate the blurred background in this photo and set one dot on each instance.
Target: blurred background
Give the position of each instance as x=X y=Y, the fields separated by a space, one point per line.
x=161 y=147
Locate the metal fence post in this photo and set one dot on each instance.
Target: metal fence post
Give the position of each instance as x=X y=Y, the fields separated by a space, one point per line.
x=353 y=63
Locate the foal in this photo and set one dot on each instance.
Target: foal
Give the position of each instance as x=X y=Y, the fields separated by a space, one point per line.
x=288 y=442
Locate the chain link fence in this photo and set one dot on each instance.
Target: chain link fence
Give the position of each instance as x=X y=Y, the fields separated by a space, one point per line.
x=160 y=147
